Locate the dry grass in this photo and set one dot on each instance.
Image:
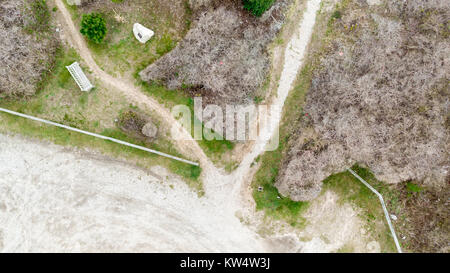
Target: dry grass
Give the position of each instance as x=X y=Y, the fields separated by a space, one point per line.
x=423 y=218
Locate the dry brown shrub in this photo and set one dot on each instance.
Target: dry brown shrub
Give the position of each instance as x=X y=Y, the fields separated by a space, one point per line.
x=198 y=4
x=223 y=57
x=383 y=102
x=24 y=55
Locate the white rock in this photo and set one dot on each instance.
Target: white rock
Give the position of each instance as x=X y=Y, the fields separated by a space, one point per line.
x=150 y=130
x=142 y=33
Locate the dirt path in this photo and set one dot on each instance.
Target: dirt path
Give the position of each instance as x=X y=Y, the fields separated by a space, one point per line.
x=132 y=93
x=293 y=61
x=217 y=183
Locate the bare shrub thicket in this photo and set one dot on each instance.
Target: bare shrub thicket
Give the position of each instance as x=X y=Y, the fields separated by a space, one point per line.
x=223 y=57
x=380 y=97
x=198 y=4
x=26 y=47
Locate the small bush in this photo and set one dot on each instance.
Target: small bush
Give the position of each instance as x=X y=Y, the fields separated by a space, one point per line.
x=93 y=26
x=257 y=7
x=336 y=14
x=40 y=16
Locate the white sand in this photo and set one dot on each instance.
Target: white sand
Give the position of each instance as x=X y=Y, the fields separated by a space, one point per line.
x=53 y=199
x=59 y=200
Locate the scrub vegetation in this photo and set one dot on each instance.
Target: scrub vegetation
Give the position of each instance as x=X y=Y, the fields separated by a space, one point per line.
x=121 y=55
x=347 y=108
x=27 y=46
x=257 y=7
x=93 y=26
x=378 y=97
x=223 y=57
x=60 y=100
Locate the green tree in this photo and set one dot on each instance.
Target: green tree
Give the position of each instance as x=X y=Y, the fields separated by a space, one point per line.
x=257 y=7
x=93 y=26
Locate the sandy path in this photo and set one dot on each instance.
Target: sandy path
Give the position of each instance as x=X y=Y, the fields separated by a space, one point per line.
x=132 y=93
x=293 y=61
x=217 y=183
x=221 y=184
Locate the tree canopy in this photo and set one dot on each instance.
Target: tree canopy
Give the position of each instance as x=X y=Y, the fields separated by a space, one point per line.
x=93 y=26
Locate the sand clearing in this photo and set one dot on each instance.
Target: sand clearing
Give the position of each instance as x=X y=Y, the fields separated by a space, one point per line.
x=57 y=199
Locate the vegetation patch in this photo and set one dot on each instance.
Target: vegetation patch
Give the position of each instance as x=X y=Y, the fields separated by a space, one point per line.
x=28 y=46
x=275 y=205
x=270 y=200
x=132 y=122
x=347 y=107
x=257 y=7
x=270 y=163
x=39 y=16
x=351 y=190
x=120 y=53
x=221 y=64
x=93 y=26
x=423 y=222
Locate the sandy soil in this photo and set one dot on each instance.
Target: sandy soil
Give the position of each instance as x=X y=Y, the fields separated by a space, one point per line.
x=56 y=199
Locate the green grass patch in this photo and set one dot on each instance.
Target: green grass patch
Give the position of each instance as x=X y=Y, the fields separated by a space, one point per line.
x=60 y=100
x=269 y=199
x=215 y=148
x=257 y=7
x=277 y=206
x=351 y=190
x=165 y=44
x=120 y=54
x=413 y=188
x=166 y=97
